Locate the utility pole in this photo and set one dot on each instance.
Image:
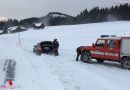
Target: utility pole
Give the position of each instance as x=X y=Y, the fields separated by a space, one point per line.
x=19 y=39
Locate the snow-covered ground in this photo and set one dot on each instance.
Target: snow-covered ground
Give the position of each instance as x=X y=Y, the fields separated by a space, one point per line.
x=47 y=72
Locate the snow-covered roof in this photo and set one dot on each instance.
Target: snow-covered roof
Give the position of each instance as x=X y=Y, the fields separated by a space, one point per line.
x=1 y=31
x=38 y=24
x=15 y=27
x=22 y=27
x=12 y=28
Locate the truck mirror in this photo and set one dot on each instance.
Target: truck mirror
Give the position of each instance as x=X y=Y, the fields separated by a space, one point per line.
x=93 y=44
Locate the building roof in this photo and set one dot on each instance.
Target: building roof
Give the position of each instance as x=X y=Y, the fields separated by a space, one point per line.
x=1 y=31
x=38 y=24
x=12 y=28
x=15 y=27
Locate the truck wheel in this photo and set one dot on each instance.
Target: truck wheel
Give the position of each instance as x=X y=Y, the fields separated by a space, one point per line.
x=126 y=63
x=100 y=60
x=85 y=57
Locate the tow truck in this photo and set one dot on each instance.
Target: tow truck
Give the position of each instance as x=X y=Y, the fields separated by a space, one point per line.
x=108 y=48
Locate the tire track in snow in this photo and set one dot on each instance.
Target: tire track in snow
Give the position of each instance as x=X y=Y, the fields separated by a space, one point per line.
x=44 y=78
x=81 y=76
x=2 y=74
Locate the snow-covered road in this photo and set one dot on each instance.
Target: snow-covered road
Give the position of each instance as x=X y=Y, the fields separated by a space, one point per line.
x=47 y=72
x=81 y=76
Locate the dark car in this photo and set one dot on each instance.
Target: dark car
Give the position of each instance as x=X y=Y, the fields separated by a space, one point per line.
x=45 y=47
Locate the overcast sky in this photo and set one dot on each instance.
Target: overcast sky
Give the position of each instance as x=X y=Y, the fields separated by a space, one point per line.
x=20 y=9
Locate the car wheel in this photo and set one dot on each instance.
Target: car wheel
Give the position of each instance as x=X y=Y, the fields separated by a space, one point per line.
x=85 y=57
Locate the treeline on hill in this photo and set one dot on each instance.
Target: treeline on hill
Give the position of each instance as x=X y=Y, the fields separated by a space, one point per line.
x=120 y=12
x=9 y=23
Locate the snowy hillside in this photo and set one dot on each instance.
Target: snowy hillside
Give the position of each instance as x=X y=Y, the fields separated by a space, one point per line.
x=47 y=72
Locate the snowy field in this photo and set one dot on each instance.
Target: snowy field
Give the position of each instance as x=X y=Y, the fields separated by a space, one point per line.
x=47 y=72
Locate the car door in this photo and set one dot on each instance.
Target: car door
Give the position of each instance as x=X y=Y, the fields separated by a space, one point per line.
x=112 y=50
x=99 y=49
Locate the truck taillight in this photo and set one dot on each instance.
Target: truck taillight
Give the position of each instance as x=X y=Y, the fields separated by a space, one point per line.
x=39 y=49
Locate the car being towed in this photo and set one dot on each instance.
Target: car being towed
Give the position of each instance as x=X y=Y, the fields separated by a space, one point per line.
x=45 y=47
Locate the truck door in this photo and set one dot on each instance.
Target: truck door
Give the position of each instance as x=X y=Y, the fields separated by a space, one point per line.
x=112 y=50
x=99 y=50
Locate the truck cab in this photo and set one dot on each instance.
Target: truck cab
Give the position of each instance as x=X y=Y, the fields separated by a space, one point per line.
x=108 y=48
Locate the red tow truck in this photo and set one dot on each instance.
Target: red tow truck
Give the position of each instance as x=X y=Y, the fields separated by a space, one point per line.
x=108 y=48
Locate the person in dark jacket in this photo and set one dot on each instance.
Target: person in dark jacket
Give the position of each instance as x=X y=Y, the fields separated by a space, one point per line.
x=78 y=50
x=55 y=47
